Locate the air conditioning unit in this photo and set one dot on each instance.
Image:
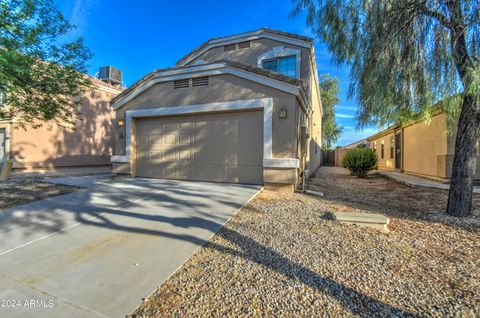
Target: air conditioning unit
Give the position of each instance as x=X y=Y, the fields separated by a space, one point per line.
x=110 y=74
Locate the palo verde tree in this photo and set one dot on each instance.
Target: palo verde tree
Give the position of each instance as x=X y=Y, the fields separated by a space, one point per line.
x=41 y=73
x=404 y=56
x=329 y=94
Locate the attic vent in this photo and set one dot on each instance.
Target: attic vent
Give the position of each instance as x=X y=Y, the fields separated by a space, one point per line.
x=183 y=83
x=244 y=45
x=200 y=81
x=229 y=47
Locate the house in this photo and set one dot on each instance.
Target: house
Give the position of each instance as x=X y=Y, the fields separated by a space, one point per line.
x=243 y=108
x=341 y=151
x=419 y=148
x=89 y=144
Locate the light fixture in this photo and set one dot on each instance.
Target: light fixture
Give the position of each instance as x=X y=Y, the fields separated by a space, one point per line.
x=282 y=114
x=121 y=122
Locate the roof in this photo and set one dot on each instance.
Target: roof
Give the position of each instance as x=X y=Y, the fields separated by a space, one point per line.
x=101 y=83
x=259 y=31
x=355 y=144
x=235 y=64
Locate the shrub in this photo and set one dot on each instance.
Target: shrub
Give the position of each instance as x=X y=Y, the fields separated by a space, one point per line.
x=360 y=161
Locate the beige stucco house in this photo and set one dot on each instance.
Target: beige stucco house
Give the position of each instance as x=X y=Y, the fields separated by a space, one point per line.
x=243 y=108
x=419 y=148
x=89 y=144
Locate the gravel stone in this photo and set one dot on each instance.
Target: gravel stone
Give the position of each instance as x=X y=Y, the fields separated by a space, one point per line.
x=281 y=257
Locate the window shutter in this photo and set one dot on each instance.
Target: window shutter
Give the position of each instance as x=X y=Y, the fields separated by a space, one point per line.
x=200 y=81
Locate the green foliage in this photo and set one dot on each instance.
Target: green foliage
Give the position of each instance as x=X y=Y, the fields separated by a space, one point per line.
x=360 y=161
x=40 y=70
x=405 y=55
x=329 y=94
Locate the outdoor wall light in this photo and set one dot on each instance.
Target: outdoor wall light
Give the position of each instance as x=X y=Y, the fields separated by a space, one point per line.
x=282 y=114
x=121 y=122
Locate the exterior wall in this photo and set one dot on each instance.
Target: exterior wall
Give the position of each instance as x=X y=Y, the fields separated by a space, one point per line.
x=425 y=147
x=250 y=55
x=89 y=144
x=387 y=162
x=222 y=88
x=315 y=153
x=339 y=154
x=428 y=149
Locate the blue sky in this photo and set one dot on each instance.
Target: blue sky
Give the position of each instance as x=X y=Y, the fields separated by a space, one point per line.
x=140 y=36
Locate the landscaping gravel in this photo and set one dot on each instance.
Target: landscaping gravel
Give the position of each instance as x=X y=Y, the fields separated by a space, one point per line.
x=15 y=192
x=281 y=257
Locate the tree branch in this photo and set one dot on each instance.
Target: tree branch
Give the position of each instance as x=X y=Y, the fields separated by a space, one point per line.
x=422 y=8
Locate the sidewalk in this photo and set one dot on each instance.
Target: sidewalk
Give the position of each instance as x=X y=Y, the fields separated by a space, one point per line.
x=417 y=181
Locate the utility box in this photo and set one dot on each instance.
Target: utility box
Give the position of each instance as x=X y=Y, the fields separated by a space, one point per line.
x=110 y=75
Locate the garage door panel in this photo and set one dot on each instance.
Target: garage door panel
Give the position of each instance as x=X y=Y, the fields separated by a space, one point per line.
x=224 y=147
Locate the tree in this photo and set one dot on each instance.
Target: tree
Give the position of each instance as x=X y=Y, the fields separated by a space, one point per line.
x=41 y=73
x=404 y=56
x=329 y=94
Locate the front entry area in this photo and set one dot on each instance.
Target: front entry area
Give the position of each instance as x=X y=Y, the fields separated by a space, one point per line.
x=219 y=147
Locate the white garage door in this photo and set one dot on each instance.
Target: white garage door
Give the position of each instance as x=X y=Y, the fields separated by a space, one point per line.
x=223 y=147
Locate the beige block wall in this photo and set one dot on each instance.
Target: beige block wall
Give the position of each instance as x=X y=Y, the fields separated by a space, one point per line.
x=387 y=162
x=424 y=146
x=221 y=88
x=91 y=143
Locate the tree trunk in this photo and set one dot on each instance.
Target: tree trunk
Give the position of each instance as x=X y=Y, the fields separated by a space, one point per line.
x=465 y=158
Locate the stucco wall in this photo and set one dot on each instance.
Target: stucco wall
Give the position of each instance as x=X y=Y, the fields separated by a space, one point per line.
x=250 y=55
x=221 y=88
x=424 y=146
x=91 y=143
x=387 y=162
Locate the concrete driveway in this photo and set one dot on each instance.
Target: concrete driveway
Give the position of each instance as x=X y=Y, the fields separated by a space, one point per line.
x=99 y=251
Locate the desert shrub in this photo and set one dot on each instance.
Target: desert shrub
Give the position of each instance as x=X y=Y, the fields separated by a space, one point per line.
x=360 y=161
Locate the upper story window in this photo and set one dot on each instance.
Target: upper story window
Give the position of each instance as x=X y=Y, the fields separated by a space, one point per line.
x=283 y=60
x=285 y=65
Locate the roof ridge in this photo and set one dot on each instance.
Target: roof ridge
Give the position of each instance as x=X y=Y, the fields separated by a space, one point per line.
x=264 y=29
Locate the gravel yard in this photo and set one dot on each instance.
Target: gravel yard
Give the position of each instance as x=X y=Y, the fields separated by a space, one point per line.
x=21 y=191
x=280 y=256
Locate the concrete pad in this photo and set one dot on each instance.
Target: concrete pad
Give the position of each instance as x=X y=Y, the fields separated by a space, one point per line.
x=99 y=251
x=415 y=181
x=373 y=220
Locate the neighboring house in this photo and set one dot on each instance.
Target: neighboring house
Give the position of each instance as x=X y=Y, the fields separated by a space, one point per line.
x=243 y=108
x=341 y=151
x=419 y=148
x=89 y=144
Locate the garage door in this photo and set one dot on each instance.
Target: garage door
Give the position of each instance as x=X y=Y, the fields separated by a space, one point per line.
x=222 y=147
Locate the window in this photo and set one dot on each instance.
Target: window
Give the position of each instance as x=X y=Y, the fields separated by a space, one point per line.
x=375 y=146
x=3 y=96
x=392 y=147
x=284 y=65
x=382 y=150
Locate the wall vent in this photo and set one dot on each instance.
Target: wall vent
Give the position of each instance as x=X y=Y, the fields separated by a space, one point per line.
x=200 y=81
x=230 y=47
x=244 y=45
x=183 y=83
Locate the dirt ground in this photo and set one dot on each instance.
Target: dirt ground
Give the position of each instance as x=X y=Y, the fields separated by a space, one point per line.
x=21 y=191
x=281 y=256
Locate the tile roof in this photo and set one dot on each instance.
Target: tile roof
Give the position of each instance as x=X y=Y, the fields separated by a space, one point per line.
x=235 y=64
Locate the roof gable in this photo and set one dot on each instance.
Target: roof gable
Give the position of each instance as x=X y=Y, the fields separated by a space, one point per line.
x=281 y=36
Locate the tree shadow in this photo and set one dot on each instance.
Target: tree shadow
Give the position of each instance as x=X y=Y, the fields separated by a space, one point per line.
x=378 y=194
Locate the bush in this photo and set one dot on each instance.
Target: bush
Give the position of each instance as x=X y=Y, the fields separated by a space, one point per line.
x=360 y=161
